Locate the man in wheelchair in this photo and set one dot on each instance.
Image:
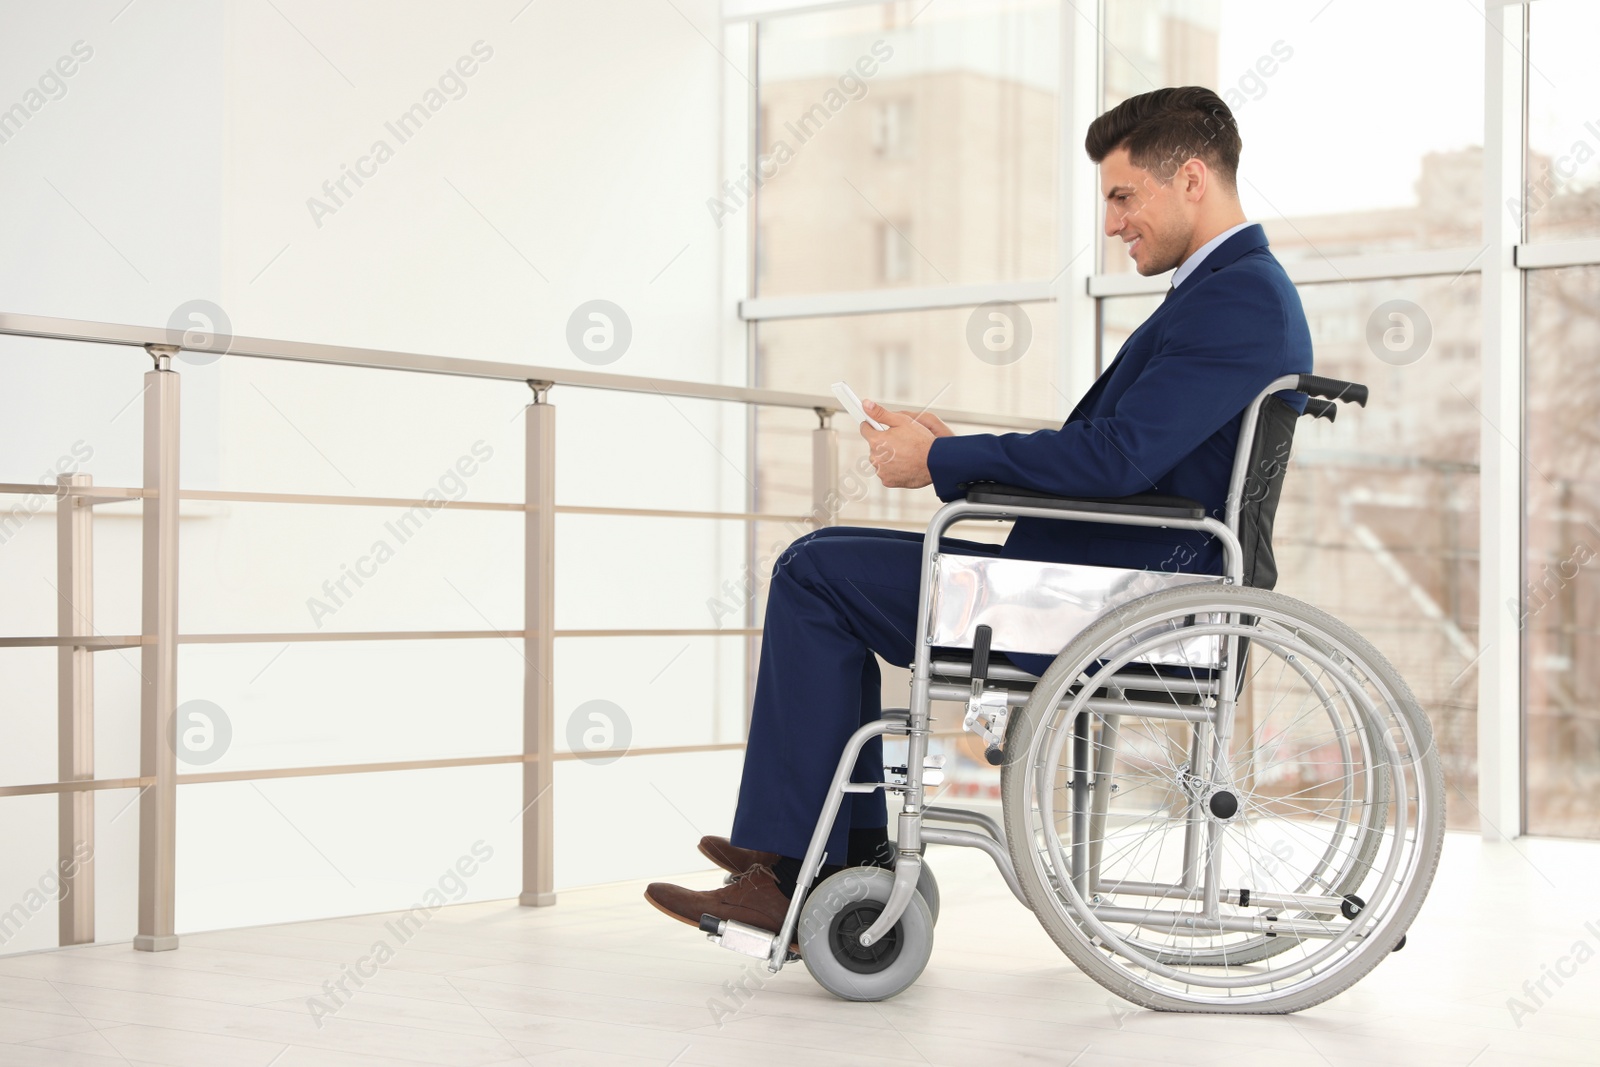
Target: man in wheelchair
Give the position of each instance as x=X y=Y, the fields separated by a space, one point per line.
x=1164 y=418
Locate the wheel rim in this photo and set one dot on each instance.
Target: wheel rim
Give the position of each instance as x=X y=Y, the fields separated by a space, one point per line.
x=1375 y=809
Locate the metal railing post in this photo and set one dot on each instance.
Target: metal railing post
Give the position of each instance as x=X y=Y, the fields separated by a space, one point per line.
x=158 y=659
x=824 y=471
x=75 y=710
x=538 y=688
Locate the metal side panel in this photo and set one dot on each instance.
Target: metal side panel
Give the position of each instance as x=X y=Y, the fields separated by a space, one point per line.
x=1039 y=607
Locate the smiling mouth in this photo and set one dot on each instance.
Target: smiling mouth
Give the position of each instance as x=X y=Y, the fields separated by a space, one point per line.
x=1134 y=244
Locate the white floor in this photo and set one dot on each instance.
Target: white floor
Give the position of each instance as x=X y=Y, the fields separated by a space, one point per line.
x=603 y=978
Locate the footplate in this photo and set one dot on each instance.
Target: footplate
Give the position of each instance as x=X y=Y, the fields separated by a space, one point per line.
x=740 y=937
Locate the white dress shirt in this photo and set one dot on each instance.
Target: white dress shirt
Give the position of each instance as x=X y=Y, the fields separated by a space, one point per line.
x=1190 y=265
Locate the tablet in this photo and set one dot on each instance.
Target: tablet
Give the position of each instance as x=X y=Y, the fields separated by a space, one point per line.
x=852 y=405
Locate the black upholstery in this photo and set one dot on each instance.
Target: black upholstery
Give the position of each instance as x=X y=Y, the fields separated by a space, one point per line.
x=1263 y=488
x=1152 y=505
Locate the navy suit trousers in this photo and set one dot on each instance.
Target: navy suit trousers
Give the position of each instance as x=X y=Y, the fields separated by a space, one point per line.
x=838 y=595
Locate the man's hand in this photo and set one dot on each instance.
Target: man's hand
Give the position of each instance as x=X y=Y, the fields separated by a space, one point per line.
x=900 y=453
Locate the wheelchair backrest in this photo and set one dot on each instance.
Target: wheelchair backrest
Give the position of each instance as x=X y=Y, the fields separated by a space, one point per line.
x=1262 y=456
x=1267 y=460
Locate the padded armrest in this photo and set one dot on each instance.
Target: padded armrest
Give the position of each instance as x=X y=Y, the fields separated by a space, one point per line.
x=1148 y=505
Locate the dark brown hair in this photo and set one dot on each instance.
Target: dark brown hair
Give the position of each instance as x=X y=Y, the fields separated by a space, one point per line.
x=1164 y=128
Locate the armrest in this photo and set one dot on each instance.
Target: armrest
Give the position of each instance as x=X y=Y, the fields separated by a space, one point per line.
x=1149 y=505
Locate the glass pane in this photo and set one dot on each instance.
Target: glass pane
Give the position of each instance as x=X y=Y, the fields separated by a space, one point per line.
x=1418 y=181
x=1378 y=524
x=1562 y=198
x=907 y=144
x=1379 y=519
x=1560 y=609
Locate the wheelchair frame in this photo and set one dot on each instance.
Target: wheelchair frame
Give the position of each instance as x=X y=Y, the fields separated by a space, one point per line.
x=932 y=680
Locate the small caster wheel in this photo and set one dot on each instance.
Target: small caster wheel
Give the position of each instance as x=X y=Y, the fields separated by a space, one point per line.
x=832 y=920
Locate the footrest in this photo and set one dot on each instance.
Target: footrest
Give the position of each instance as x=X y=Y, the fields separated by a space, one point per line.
x=739 y=937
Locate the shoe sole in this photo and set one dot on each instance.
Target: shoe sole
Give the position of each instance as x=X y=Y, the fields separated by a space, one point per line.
x=794 y=946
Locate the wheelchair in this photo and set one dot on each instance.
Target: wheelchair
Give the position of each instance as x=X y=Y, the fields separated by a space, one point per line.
x=1217 y=798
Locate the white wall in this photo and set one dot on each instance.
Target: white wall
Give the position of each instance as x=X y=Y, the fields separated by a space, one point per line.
x=574 y=166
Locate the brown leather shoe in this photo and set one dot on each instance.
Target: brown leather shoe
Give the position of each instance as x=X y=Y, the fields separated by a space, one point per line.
x=731 y=858
x=753 y=898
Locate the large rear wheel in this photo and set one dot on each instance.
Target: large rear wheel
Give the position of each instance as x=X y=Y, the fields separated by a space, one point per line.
x=1223 y=799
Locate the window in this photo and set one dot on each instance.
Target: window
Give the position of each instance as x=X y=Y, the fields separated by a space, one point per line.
x=843 y=90
x=1559 y=612
x=1561 y=198
x=896 y=252
x=892 y=129
x=1390 y=162
x=1378 y=524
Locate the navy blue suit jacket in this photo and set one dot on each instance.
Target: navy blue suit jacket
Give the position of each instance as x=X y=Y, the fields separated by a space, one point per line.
x=1163 y=418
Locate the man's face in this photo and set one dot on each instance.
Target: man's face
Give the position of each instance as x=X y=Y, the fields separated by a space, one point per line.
x=1154 y=219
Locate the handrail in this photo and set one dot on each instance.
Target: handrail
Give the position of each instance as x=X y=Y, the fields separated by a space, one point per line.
x=158 y=639
x=112 y=494
x=54 y=329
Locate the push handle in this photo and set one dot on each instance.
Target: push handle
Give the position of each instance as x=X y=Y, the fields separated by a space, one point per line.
x=1321 y=409
x=1333 y=389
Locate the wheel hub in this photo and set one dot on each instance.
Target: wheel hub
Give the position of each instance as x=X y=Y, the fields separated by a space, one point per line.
x=1223 y=804
x=845 y=938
